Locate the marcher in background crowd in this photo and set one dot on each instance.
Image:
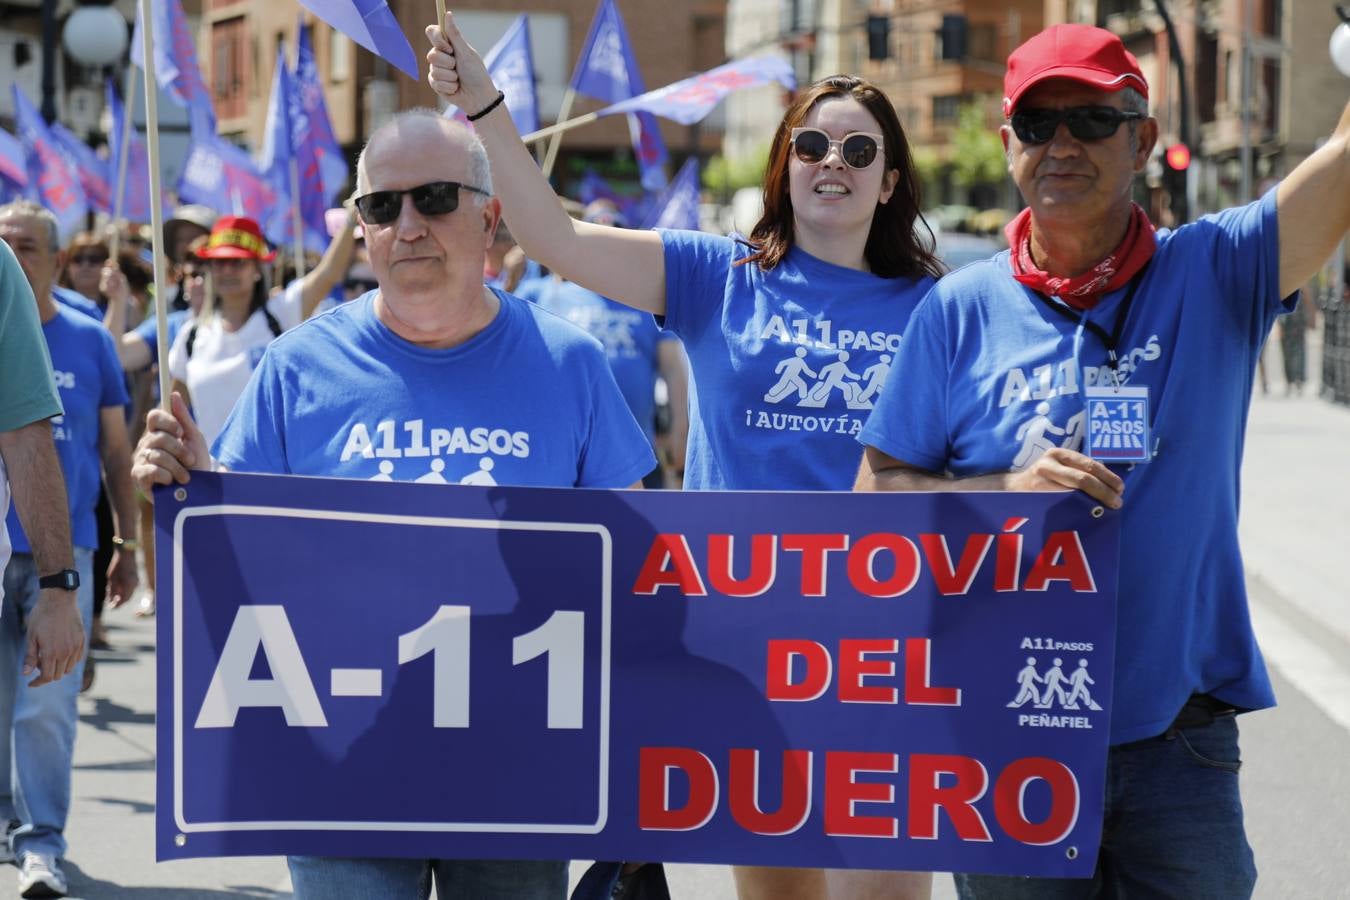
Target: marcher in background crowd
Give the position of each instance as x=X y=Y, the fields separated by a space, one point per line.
x=213 y=355
x=327 y=274
x=836 y=251
x=85 y=256
x=433 y=345
x=1294 y=330
x=638 y=352
x=1089 y=293
x=37 y=728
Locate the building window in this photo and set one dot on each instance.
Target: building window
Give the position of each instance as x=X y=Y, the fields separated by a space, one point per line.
x=945 y=108
x=339 y=56
x=982 y=43
x=229 y=39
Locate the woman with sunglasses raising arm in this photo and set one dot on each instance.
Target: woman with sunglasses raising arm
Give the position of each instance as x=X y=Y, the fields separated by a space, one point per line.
x=789 y=335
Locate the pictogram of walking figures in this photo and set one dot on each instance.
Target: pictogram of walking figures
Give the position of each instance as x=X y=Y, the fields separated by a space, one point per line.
x=1054 y=681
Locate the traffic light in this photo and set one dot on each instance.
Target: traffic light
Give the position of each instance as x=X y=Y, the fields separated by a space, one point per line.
x=878 y=37
x=1178 y=157
x=1178 y=160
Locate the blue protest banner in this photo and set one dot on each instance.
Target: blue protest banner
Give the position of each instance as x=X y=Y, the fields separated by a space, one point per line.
x=690 y=100
x=13 y=163
x=313 y=129
x=904 y=681
x=95 y=178
x=53 y=180
x=176 y=69
x=677 y=206
x=510 y=62
x=607 y=69
x=136 y=191
x=222 y=177
x=371 y=24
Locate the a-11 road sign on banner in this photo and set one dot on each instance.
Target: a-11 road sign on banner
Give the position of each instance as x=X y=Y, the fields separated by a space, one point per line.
x=903 y=681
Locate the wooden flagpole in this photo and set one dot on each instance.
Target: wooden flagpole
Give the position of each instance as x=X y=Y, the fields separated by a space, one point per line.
x=156 y=207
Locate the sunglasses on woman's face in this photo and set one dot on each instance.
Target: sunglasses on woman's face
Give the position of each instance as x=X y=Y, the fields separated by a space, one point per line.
x=858 y=148
x=1086 y=123
x=88 y=260
x=434 y=199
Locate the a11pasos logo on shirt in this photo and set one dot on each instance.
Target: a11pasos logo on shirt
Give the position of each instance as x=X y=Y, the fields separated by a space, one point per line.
x=391 y=439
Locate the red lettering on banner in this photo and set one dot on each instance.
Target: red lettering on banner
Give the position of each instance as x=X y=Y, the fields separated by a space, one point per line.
x=1010 y=789
x=721 y=565
x=816 y=678
x=927 y=796
x=862 y=559
x=919 y=690
x=655 y=765
x=854 y=666
x=955 y=579
x=843 y=792
x=743 y=793
x=671 y=563
x=1061 y=559
x=670 y=550
x=813 y=548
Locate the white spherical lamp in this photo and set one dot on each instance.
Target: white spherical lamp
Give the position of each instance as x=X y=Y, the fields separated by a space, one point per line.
x=1340 y=48
x=95 y=35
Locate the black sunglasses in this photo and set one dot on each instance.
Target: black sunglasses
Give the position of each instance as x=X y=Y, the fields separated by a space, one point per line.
x=858 y=149
x=434 y=199
x=1086 y=123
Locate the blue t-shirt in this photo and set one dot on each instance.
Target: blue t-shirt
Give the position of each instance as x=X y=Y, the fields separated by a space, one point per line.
x=1194 y=331
x=89 y=378
x=77 y=301
x=528 y=401
x=784 y=364
x=148 y=330
x=630 y=338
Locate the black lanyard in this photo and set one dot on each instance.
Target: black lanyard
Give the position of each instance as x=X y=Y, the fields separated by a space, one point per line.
x=1111 y=340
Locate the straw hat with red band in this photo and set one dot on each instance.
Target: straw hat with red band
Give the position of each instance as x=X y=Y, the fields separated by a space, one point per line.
x=1082 y=53
x=236 y=237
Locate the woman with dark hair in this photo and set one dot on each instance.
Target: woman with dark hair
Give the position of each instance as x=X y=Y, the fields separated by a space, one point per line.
x=789 y=333
x=214 y=354
x=85 y=257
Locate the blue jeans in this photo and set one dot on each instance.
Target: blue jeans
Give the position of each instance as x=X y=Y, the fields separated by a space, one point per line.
x=334 y=878
x=1173 y=826
x=37 y=725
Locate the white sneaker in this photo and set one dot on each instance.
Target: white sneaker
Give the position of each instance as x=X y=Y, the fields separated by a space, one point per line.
x=40 y=876
x=6 y=848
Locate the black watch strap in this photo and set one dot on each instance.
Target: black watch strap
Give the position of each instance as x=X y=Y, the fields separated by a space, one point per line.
x=64 y=580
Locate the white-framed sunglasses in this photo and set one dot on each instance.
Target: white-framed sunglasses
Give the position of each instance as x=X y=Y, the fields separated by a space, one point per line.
x=858 y=149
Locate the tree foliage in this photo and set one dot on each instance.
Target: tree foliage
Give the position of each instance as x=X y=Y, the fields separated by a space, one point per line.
x=977 y=150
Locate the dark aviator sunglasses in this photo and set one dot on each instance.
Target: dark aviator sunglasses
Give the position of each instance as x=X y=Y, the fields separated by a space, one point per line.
x=434 y=199
x=1086 y=123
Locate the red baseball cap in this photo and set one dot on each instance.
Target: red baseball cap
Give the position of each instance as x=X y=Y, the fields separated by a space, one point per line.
x=1082 y=53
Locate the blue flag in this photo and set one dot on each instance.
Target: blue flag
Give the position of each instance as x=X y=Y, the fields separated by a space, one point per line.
x=690 y=100
x=511 y=64
x=92 y=169
x=221 y=176
x=52 y=180
x=312 y=128
x=677 y=207
x=607 y=70
x=176 y=68
x=371 y=24
x=13 y=167
x=274 y=159
x=136 y=189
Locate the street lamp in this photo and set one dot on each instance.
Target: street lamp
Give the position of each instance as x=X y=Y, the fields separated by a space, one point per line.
x=1340 y=41
x=95 y=35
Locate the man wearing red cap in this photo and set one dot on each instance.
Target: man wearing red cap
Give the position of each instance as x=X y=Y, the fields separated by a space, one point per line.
x=1091 y=307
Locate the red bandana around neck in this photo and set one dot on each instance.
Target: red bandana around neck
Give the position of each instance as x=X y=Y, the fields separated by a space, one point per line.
x=1083 y=291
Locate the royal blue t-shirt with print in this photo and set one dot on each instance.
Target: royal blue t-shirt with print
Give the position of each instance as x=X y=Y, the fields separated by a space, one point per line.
x=630 y=338
x=77 y=301
x=89 y=378
x=528 y=401
x=785 y=365
x=1010 y=387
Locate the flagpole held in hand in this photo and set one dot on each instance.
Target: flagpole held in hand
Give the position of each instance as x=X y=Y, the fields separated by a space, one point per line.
x=551 y=154
x=156 y=207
